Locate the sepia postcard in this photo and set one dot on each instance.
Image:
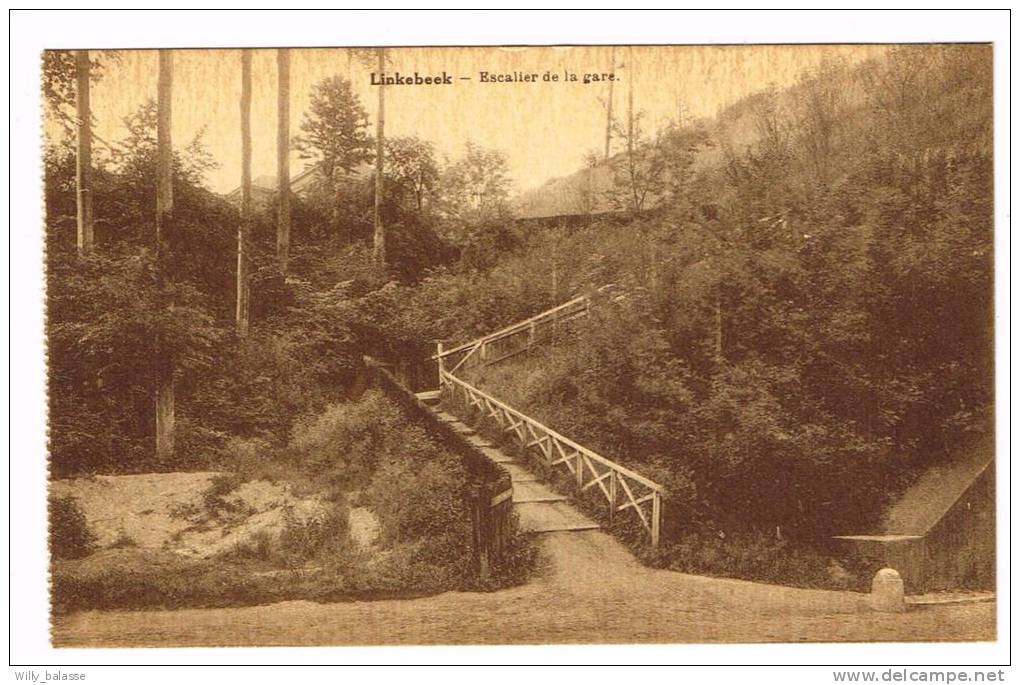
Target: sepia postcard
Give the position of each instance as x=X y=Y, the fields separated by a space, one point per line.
x=520 y=345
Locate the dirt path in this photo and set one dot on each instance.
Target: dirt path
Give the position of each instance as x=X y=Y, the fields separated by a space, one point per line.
x=591 y=591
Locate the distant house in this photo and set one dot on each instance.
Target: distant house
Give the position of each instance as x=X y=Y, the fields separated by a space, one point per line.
x=263 y=188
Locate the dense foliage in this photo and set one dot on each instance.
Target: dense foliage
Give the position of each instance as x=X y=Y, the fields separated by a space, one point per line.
x=791 y=358
x=70 y=537
x=310 y=330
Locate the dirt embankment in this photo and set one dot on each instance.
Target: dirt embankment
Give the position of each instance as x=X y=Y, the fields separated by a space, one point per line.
x=198 y=515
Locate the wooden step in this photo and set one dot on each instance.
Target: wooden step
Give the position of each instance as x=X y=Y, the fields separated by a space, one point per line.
x=455 y=423
x=519 y=474
x=430 y=397
x=479 y=442
x=527 y=491
x=495 y=455
x=564 y=528
x=550 y=517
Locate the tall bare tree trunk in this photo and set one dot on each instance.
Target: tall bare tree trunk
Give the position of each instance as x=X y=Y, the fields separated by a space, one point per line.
x=283 y=157
x=379 y=242
x=244 y=230
x=630 y=100
x=165 y=416
x=630 y=127
x=83 y=160
x=609 y=101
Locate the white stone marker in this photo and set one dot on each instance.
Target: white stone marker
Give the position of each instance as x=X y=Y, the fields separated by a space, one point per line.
x=887 y=591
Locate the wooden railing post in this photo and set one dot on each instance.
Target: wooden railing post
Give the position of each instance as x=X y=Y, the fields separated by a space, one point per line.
x=612 y=495
x=580 y=471
x=440 y=362
x=656 y=517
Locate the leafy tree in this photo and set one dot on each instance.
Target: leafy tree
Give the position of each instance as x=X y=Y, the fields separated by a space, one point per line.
x=334 y=132
x=476 y=185
x=59 y=82
x=66 y=79
x=822 y=100
x=412 y=170
x=760 y=178
x=134 y=156
x=334 y=136
x=656 y=170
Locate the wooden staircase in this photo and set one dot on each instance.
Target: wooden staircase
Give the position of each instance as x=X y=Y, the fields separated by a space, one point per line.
x=539 y=508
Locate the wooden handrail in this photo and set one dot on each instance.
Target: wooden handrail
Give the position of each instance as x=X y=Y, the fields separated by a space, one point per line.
x=534 y=435
x=652 y=485
x=512 y=328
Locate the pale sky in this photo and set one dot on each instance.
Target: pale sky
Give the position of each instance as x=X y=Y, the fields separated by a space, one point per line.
x=544 y=128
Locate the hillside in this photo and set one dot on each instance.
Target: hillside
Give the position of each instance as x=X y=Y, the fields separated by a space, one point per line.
x=735 y=129
x=789 y=365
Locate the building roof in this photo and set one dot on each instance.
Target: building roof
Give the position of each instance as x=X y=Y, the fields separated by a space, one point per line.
x=267 y=182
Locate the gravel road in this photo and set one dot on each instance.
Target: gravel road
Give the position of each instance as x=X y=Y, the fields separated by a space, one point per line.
x=590 y=591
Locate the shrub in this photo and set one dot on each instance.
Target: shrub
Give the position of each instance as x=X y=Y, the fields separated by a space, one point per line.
x=425 y=520
x=197 y=445
x=70 y=537
x=221 y=485
x=343 y=445
x=135 y=578
x=416 y=499
x=520 y=557
x=258 y=547
x=326 y=537
x=759 y=556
